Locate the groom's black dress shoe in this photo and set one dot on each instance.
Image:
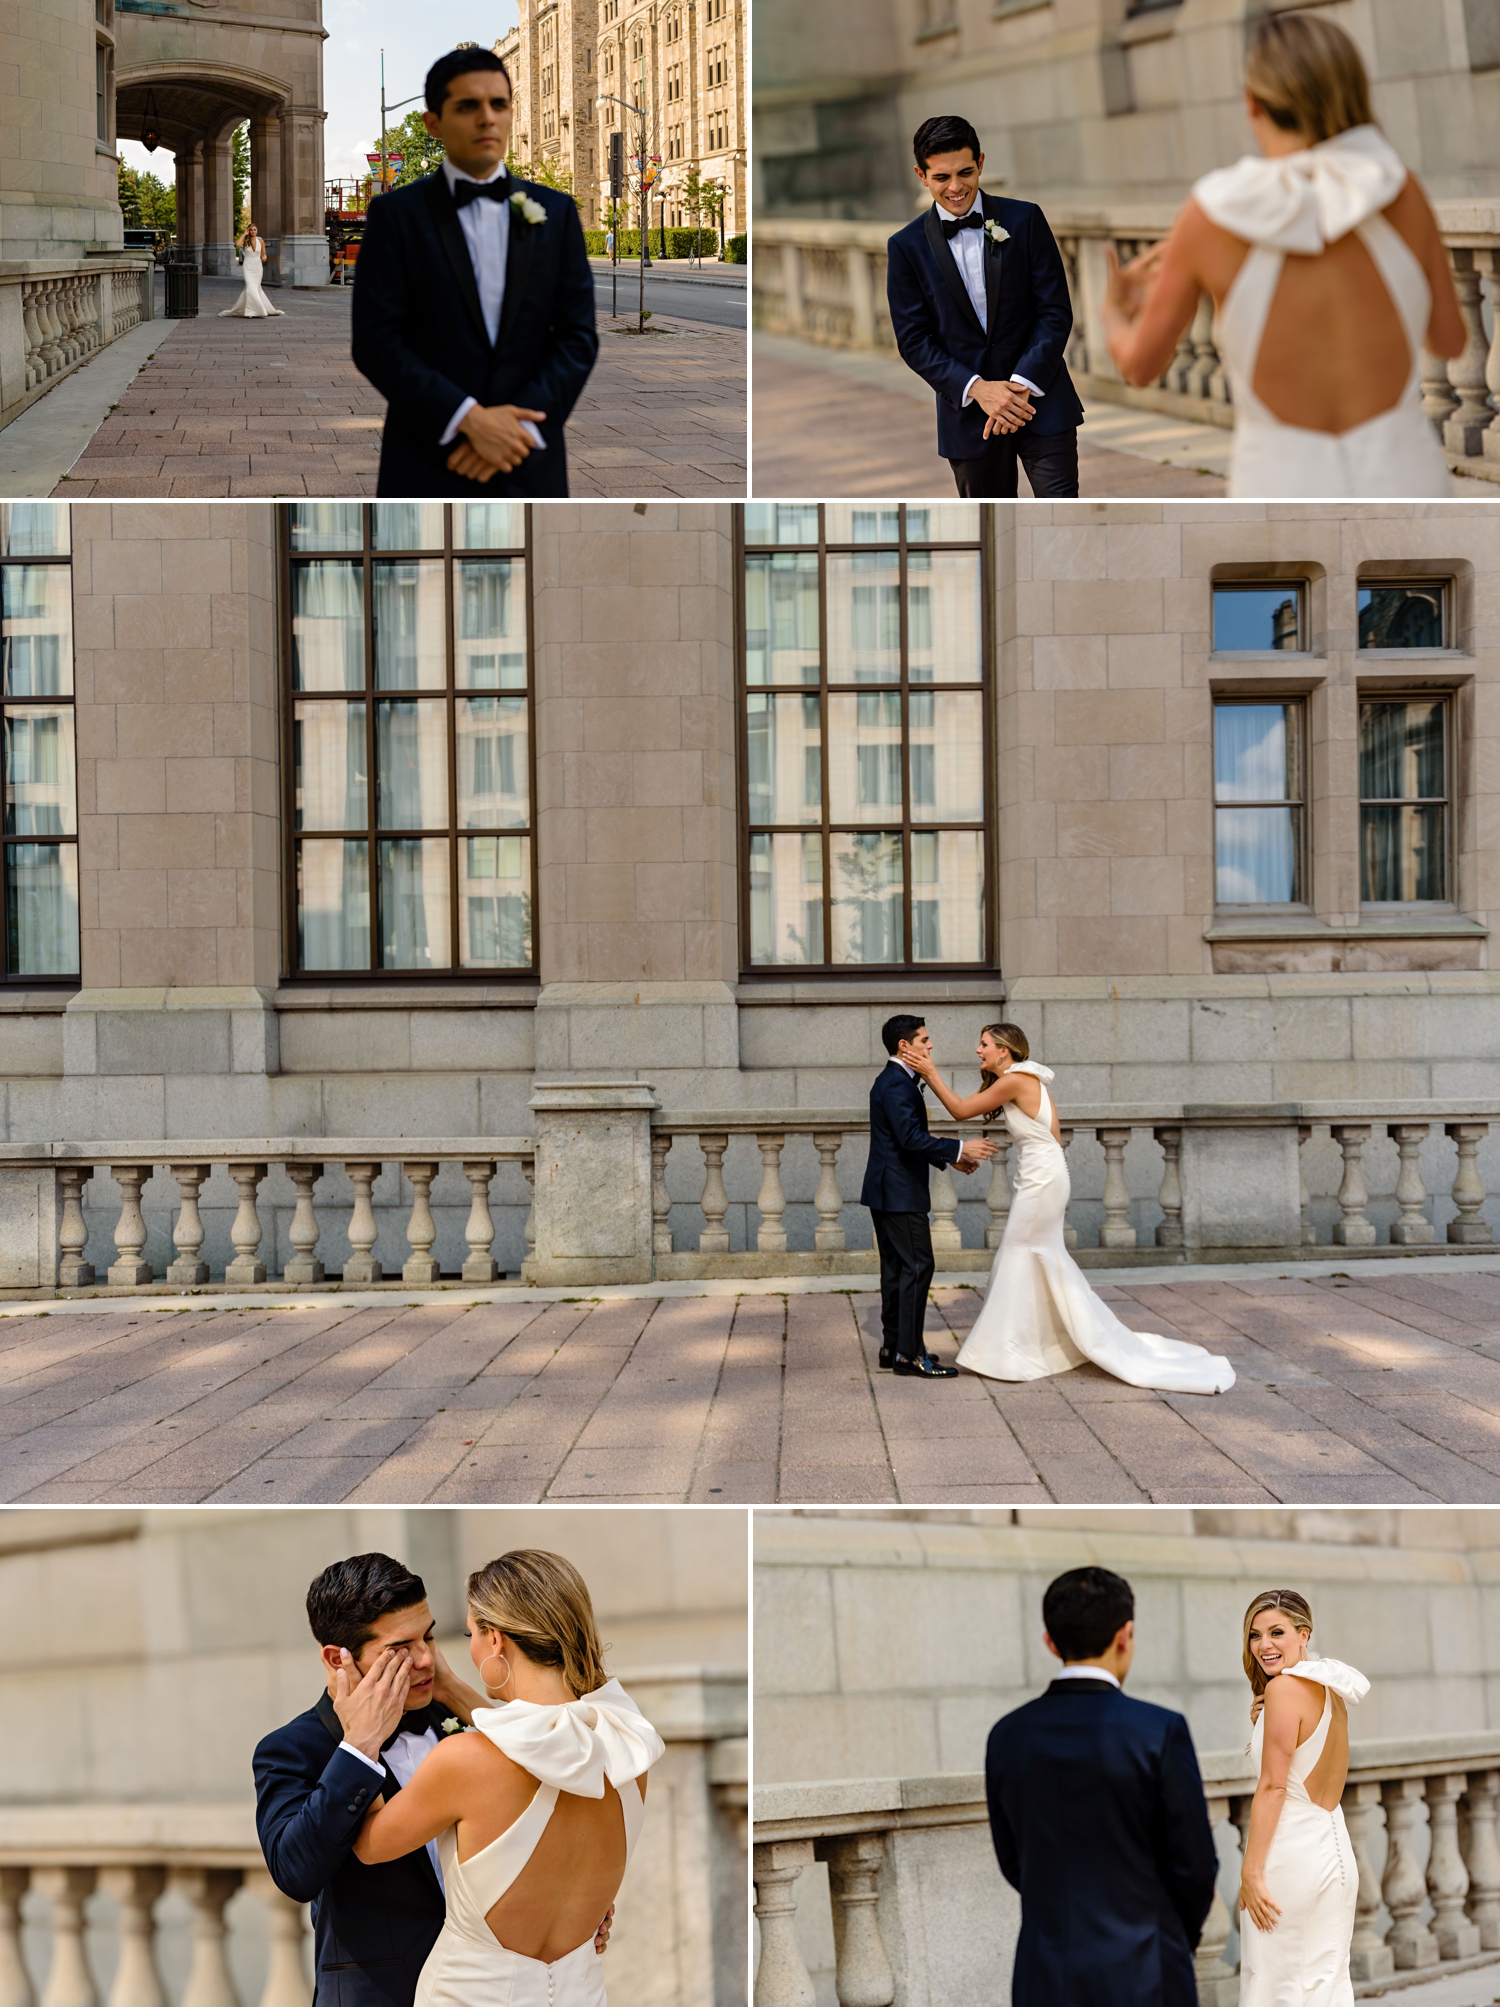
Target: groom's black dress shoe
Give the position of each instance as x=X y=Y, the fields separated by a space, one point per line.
x=889 y=1355
x=927 y=1367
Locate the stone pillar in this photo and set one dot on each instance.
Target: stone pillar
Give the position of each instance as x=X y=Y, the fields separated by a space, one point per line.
x=304 y=242
x=265 y=187
x=218 y=206
x=1241 y=1188
x=30 y=1219
x=193 y=237
x=593 y=1182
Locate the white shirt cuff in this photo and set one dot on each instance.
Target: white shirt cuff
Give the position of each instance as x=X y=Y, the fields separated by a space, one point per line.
x=1029 y=385
x=349 y=1746
x=452 y=433
x=533 y=435
x=969 y=386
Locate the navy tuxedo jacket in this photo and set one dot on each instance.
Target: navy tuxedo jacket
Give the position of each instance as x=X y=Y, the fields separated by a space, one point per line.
x=372 y=1926
x=901 y=1150
x=1025 y=332
x=419 y=334
x=1098 y=1817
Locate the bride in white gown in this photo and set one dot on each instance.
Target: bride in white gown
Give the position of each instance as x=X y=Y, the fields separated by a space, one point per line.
x=537 y=1810
x=1039 y=1315
x=252 y=304
x=1300 y=1881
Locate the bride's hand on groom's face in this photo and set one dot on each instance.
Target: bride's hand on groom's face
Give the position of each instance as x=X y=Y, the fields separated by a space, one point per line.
x=370 y=1704
x=449 y=1691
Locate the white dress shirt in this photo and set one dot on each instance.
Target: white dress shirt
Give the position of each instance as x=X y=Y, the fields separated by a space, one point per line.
x=486 y=228
x=405 y=1754
x=1087 y=1672
x=967 y=247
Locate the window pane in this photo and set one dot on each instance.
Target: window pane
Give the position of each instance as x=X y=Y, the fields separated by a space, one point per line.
x=1256 y=752
x=943 y=632
x=1401 y=616
x=33 y=529
x=411 y=765
x=414 y=903
x=947 y=757
x=864 y=617
x=866 y=888
x=781 y=522
x=864 y=757
x=1257 y=854
x=861 y=523
x=36 y=630
x=1256 y=617
x=1401 y=752
x=781 y=619
x=494 y=772
x=407 y=526
x=489 y=622
x=41 y=791
x=329 y=783
x=942 y=522
x=1401 y=853
x=333 y=904
x=410 y=641
x=328 y=626
x=327 y=526
x=785 y=758
x=489 y=526
x=947 y=895
x=41 y=909
x=786 y=899
x=494 y=902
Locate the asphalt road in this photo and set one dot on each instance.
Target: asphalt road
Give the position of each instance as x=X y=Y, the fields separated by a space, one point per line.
x=683 y=299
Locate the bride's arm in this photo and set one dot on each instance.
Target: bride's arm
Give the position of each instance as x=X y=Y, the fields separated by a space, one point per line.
x=1151 y=302
x=432 y=1802
x=964 y=1107
x=1283 y=1708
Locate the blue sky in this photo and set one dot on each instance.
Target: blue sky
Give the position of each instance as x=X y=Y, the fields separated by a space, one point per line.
x=412 y=38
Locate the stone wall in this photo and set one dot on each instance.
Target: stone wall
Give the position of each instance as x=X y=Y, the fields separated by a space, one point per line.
x=57 y=178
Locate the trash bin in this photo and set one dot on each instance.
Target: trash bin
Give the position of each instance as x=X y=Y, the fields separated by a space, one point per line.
x=182 y=290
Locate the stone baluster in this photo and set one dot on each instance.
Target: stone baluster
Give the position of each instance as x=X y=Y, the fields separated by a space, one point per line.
x=781 y=1978
x=1489 y=263
x=135 y=1890
x=997 y=1198
x=1481 y=1852
x=1180 y=369
x=208 y=1890
x=187 y=1234
x=828 y=1200
x=1412 y=1944
x=69 y=1981
x=36 y=369
x=1169 y=1197
x=714 y=1237
x=1370 y=1956
x=1218 y=1983
x=1469 y=1229
x=945 y=1233
x=73 y=1272
x=1070 y=1232
x=1116 y=1230
x=421 y=1230
x=770 y=1237
x=1413 y=1229
x=1304 y=1196
x=1464 y=428
x=1206 y=364
x=130 y=1271
x=247 y=1265
x=661 y=1198
x=303 y=1232
x=1353 y=1230
x=480 y=1264
x=15 y=1981
x=1447 y=1877
x=361 y=1265
x=862 y=1972
x=528 y=1225
x=286 y=1927
x=1438 y=400
x=52 y=349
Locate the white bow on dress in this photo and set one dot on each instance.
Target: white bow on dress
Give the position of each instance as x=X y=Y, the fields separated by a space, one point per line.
x=1305 y=201
x=1345 y=1681
x=575 y=1744
x=1031 y=1066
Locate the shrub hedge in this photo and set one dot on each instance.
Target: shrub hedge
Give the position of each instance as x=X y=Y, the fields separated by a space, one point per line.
x=679 y=243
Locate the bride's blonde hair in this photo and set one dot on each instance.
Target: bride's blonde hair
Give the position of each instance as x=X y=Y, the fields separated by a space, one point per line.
x=1294 y=1606
x=1016 y=1044
x=542 y=1604
x=1307 y=76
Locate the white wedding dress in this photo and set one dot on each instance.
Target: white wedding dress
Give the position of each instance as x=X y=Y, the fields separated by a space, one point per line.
x=1039 y=1315
x=1311 y=1873
x=252 y=304
x=573 y=1747
x=1301 y=203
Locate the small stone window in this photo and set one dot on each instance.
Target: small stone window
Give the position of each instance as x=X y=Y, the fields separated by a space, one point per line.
x=1257 y=618
x=1259 y=805
x=1404 y=614
x=1403 y=808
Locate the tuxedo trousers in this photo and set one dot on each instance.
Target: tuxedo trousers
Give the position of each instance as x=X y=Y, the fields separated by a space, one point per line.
x=1050 y=460
x=906 y=1265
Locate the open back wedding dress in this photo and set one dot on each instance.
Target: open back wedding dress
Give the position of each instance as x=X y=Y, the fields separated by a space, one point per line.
x=1039 y=1315
x=573 y=1747
x=1301 y=203
x=1311 y=1873
x=252 y=304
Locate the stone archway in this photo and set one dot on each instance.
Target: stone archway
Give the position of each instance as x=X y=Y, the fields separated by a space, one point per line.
x=205 y=75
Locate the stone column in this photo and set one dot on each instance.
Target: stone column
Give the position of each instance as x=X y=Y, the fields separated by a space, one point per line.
x=593 y=1182
x=781 y=1979
x=304 y=242
x=265 y=187
x=864 y=1976
x=218 y=206
x=194 y=237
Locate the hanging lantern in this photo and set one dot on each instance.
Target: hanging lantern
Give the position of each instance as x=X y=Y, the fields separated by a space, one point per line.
x=150 y=125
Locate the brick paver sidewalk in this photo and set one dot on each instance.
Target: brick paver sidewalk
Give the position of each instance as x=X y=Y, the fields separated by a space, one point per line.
x=1350 y=1392
x=233 y=407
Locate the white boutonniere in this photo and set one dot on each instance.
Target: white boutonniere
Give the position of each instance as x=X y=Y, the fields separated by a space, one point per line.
x=452 y=1725
x=531 y=212
x=995 y=233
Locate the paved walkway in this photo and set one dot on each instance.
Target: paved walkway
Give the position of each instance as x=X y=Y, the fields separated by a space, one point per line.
x=1379 y=1388
x=277 y=408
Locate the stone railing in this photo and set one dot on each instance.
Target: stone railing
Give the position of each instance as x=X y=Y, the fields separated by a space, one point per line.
x=55 y=316
x=825 y=282
x=920 y=1914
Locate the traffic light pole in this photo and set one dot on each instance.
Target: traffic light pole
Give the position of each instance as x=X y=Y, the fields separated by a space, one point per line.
x=640 y=113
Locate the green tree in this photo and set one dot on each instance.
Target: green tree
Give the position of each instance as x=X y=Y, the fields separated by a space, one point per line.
x=240 y=168
x=546 y=173
x=145 y=202
x=420 y=152
x=714 y=194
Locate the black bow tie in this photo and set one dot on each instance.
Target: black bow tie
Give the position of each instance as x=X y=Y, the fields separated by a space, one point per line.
x=973 y=221
x=409 y=1724
x=465 y=192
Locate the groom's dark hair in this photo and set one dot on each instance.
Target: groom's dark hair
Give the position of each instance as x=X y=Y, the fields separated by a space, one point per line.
x=347 y=1600
x=458 y=63
x=895 y=1029
x=1084 y=1609
x=946 y=134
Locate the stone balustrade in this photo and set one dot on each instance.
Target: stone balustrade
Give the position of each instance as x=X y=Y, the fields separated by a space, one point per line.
x=825 y=282
x=55 y=316
x=919 y=1914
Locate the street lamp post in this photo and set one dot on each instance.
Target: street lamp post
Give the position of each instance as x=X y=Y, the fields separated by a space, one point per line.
x=645 y=227
x=384 y=108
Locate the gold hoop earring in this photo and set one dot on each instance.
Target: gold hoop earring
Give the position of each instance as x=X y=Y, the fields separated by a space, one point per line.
x=499 y=1682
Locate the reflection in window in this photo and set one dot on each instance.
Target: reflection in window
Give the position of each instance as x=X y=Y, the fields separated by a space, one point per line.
x=1258 y=804
x=1402 y=616
x=40 y=852
x=781 y=619
x=1257 y=618
x=1403 y=787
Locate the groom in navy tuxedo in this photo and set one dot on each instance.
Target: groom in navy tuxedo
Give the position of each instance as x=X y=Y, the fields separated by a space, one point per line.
x=980 y=307
x=474 y=306
x=1099 y=1820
